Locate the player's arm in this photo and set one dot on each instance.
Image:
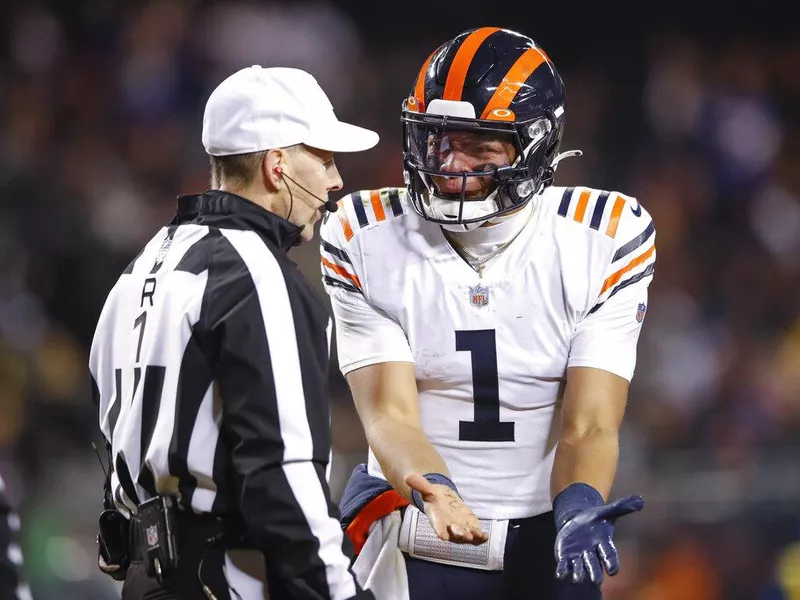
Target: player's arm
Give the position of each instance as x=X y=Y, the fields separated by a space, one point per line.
x=385 y=395
x=591 y=416
x=601 y=365
x=376 y=360
x=378 y=367
x=588 y=447
x=386 y=399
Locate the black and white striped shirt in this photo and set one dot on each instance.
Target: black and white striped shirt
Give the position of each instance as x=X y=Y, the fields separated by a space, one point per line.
x=210 y=370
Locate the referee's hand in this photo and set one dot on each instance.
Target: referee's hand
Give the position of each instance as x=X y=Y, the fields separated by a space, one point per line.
x=585 y=545
x=116 y=572
x=451 y=519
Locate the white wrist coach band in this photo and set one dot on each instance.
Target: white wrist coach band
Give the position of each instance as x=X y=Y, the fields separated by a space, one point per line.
x=418 y=539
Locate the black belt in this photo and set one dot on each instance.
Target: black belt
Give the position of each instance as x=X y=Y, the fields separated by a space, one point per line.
x=534 y=519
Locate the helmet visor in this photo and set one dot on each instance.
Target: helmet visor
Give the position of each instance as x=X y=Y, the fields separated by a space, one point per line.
x=458 y=155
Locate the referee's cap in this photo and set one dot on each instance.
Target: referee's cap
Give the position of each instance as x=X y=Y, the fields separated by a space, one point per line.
x=260 y=108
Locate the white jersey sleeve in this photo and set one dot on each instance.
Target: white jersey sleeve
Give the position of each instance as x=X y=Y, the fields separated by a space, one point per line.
x=607 y=337
x=365 y=334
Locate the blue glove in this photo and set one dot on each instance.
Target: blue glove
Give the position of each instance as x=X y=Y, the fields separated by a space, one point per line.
x=584 y=542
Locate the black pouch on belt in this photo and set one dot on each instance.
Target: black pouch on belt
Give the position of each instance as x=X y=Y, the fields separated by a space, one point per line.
x=113 y=541
x=155 y=519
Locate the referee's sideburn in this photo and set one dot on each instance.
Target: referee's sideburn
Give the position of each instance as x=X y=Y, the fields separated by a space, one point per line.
x=209 y=367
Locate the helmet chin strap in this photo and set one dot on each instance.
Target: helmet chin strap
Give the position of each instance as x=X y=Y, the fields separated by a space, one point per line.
x=470 y=210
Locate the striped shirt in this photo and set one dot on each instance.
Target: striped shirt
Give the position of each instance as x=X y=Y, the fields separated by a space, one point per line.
x=210 y=367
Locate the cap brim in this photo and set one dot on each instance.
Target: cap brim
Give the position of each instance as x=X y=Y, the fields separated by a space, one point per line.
x=343 y=137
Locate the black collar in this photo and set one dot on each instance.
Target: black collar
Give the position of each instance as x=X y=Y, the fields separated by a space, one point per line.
x=225 y=210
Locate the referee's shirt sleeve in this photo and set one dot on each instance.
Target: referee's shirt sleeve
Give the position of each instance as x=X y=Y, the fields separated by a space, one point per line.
x=261 y=370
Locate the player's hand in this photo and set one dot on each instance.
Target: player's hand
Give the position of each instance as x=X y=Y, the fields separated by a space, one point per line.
x=451 y=519
x=584 y=544
x=116 y=572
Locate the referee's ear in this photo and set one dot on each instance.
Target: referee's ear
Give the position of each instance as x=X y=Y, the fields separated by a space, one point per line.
x=272 y=169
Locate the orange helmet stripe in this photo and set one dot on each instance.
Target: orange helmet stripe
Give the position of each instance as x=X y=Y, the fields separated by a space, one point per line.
x=419 y=87
x=515 y=78
x=454 y=85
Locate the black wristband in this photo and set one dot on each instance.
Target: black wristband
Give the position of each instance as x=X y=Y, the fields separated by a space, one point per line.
x=436 y=478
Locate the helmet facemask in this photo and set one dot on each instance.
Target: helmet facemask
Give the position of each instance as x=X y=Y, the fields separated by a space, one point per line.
x=502 y=189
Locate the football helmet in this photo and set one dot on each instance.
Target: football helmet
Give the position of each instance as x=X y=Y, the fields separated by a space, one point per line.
x=484 y=84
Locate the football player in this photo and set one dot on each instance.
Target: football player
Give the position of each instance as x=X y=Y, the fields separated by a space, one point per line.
x=487 y=324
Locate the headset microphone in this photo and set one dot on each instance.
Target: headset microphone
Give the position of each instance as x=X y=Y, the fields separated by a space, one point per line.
x=330 y=205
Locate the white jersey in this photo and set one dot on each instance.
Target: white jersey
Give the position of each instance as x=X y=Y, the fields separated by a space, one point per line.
x=491 y=352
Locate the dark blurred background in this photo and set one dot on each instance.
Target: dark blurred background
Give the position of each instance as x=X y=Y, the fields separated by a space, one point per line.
x=695 y=110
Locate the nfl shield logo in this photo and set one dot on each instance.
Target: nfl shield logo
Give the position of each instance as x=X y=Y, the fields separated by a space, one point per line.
x=479 y=295
x=640 y=312
x=152 y=536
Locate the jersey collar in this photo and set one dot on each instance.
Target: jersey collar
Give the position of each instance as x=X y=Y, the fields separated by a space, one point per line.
x=216 y=208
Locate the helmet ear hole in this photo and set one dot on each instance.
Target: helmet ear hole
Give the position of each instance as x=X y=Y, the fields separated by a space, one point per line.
x=525 y=189
x=538 y=130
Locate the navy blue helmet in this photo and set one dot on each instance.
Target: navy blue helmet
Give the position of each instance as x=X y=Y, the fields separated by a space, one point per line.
x=492 y=83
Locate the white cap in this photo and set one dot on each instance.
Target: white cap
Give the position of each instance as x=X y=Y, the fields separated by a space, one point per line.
x=260 y=108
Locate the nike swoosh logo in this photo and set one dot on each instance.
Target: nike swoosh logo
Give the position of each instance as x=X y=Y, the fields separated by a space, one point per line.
x=637 y=211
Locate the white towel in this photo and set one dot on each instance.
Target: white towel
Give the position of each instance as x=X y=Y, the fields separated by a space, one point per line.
x=381 y=566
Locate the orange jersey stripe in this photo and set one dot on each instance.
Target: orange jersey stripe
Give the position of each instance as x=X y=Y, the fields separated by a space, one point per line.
x=341 y=271
x=454 y=85
x=583 y=201
x=419 y=88
x=611 y=281
x=616 y=213
x=348 y=231
x=377 y=508
x=377 y=205
x=515 y=78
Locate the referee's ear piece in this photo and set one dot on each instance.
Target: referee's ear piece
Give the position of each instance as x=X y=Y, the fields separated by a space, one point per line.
x=278 y=169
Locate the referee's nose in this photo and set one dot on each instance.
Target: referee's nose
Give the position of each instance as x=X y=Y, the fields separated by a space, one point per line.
x=335 y=179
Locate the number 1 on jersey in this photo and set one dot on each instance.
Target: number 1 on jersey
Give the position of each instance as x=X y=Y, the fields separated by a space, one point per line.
x=487 y=426
x=140 y=322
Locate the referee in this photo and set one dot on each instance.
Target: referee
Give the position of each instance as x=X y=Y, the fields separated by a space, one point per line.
x=210 y=365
